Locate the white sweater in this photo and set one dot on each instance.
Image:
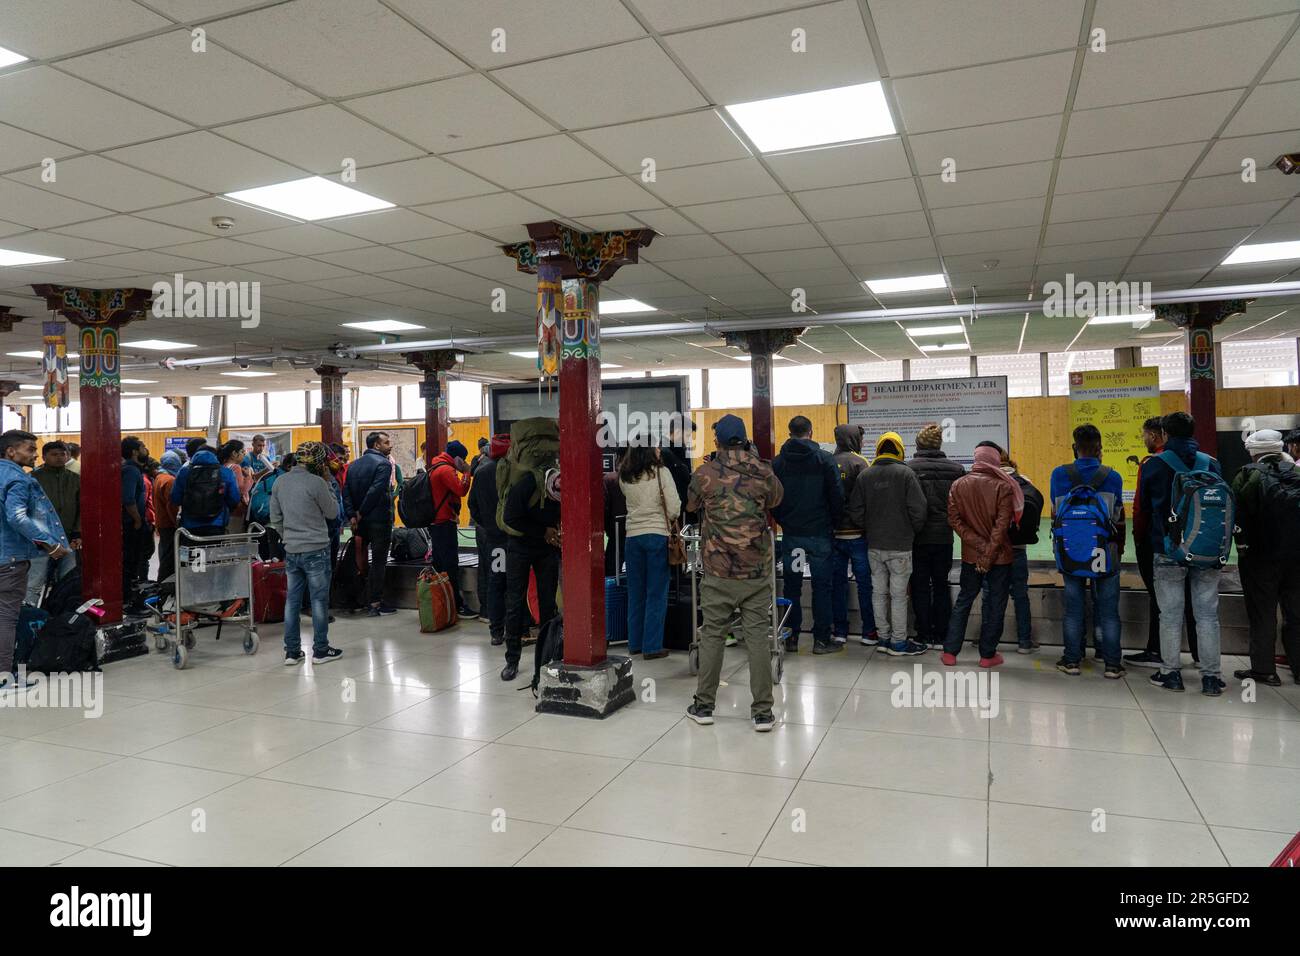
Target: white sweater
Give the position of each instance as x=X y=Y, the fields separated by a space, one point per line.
x=645 y=513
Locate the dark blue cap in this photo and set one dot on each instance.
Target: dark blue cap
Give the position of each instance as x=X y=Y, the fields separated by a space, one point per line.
x=456 y=449
x=730 y=430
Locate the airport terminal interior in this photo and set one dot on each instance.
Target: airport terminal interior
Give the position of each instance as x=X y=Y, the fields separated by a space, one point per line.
x=581 y=242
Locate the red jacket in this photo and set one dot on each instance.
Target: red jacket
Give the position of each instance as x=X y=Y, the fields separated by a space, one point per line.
x=448 y=487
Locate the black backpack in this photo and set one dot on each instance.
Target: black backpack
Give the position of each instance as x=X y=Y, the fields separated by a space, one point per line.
x=1278 y=522
x=65 y=645
x=1026 y=531
x=549 y=648
x=348 y=589
x=410 y=544
x=415 y=503
x=203 y=497
x=65 y=596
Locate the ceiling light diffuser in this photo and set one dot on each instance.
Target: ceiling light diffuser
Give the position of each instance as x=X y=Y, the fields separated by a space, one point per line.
x=839 y=115
x=311 y=199
x=954 y=347
x=937 y=330
x=9 y=57
x=621 y=306
x=1263 y=252
x=384 y=325
x=11 y=257
x=156 y=345
x=1133 y=318
x=907 y=284
x=248 y=374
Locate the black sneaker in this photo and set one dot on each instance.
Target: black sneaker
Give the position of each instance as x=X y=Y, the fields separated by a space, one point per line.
x=1114 y=672
x=827 y=648
x=510 y=672
x=1169 y=680
x=373 y=612
x=792 y=647
x=1272 y=680
x=1212 y=686
x=764 y=722
x=387 y=609
x=465 y=614
x=498 y=640
x=699 y=713
x=1068 y=667
x=291 y=660
x=330 y=654
x=1143 y=659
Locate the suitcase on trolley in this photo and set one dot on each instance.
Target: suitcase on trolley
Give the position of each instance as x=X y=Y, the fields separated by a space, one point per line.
x=270 y=589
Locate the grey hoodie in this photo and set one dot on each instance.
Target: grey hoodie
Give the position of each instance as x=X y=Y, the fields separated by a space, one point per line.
x=301 y=504
x=889 y=504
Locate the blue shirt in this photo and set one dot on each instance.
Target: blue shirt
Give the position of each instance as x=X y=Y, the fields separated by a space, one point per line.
x=1087 y=467
x=229 y=486
x=132 y=487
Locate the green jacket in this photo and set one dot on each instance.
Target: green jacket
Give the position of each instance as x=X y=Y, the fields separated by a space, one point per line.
x=63 y=487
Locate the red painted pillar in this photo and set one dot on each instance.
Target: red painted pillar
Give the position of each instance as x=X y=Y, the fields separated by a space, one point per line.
x=433 y=389
x=1198 y=319
x=583 y=513
x=100 y=314
x=331 y=404
x=762 y=345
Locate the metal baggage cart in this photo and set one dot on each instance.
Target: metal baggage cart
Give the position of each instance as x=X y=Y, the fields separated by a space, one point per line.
x=780 y=606
x=210 y=571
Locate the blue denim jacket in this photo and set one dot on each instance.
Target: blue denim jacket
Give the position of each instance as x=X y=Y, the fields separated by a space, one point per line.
x=26 y=516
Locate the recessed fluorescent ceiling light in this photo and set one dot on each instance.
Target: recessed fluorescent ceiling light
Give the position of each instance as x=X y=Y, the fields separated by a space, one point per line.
x=10 y=257
x=31 y=386
x=620 y=306
x=383 y=325
x=157 y=345
x=954 y=347
x=609 y=365
x=815 y=119
x=9 y=57
x=1263 y=252
x=224 y=388
x=907 y=284
x=139 y=381
x=311 y=198
x=1133 y=318
x=35 y=354
x=531 y=355
x=134 y=394
x=250 y=374
x=937 y=330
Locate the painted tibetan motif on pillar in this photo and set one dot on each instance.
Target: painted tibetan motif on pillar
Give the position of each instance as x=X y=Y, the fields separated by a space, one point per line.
x=581 y=319
x=99 y=357
x=55 y=339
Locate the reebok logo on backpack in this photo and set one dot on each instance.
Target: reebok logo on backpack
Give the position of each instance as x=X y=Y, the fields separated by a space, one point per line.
x=1084 y=527
x=1202 y=514
x=204 y=495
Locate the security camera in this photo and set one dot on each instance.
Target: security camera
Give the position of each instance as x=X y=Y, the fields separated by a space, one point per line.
x=1288 y=163
x=243 y=364
x=224 y=223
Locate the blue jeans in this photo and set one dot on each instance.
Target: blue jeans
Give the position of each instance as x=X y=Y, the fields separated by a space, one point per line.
x=995 y=584
x=40 y=567
x=1020 y=597
x=647 y=592
x=1105 y=607
x=1169 y=578
x=843 y=553
x=310 y=570
x=815 y=554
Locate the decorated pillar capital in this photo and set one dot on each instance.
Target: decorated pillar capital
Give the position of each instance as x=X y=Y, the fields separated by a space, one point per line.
x=8 y=317
x=7 y=387
x=763 y=341
x=587 y=255
x=431 y=361
x=1199 y=320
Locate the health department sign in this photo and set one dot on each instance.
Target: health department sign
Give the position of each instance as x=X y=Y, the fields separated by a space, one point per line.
x=970 y=410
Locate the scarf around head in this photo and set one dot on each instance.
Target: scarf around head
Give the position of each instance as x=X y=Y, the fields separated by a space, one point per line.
x=499 y=445
x=886 y=438
x=1267 y=441
x=989 y=462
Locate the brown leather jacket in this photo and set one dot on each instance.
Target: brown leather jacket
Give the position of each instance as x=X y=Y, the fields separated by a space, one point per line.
x=980 y=511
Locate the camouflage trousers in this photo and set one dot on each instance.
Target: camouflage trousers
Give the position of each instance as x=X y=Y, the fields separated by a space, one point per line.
x=720 y=599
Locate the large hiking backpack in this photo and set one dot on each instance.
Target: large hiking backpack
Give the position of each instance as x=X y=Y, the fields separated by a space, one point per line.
x=1277 y=531
x=1025 y=531
x=535 y=448
x=65 y=645
x=1084 y=527
x=259 y=503
x=204 y=493
x=1202 y=514
x=415 y=504
x=549 y=647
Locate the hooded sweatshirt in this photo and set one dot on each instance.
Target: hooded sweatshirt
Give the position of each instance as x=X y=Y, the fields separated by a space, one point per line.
x=850 y=463
x=448 y=487
x=887 y=500
x=814 y=501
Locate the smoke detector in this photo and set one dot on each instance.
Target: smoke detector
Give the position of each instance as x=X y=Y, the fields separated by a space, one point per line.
x=224 y=223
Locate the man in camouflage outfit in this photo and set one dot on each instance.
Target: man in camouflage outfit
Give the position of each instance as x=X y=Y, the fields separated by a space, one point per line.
x=733 y=494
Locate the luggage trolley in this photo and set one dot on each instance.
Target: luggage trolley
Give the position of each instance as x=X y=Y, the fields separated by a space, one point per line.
x=210 y=571
x=780 y=606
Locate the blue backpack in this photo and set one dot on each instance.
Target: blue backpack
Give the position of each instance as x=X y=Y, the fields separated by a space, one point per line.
x=259 y=503
x=1202 y=514
x=1083 y=530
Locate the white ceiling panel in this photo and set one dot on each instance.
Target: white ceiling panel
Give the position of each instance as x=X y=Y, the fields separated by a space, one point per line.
x=865 y=199
x=1096 y=230
x=985 y=94
x=841 y=165
x=1124 y=18
x=837 y=53
x=746 y=213
x=1023 y=181
x=392 y=225
x=304 y=239
x=772 y=239
x=1135 y=167
x=132 y=231
x=207 y=162
x=637 y=81
x=1287 y=64
x=320 y=138
x=903 y=225
x=594 y=197
x=1219 y=217
x=1227 y=155
x=1185 y=119
x=1268 y=109
x=737 y=179
x=861 y=254
x=1109 y=203
x=1230 y=190
x=112 y=185
x=994 y=215
x=454 y=248
x=997 y=144
x=534 y=162
x=485 y=213
x=685 y=140
x=166 y=73
x=42 y=29
x=460 y=113
x=198 y=215
x=416 y=181
x=534 y=30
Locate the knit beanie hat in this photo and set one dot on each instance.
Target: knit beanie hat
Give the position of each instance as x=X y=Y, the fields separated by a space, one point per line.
x=931 y=436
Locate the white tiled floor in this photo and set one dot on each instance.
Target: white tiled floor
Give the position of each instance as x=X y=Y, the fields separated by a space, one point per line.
x=410 y=750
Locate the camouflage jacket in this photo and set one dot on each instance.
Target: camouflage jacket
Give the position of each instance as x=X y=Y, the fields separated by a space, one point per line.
x=733 y=493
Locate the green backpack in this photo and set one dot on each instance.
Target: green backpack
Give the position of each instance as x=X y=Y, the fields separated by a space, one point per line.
x=534 y=447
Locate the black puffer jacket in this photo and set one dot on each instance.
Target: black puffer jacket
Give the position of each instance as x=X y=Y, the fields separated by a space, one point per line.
x=849 y=461
x=936 y=472
x=813 y=499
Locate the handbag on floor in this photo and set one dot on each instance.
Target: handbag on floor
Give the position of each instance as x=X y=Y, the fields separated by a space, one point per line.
x=437 y=601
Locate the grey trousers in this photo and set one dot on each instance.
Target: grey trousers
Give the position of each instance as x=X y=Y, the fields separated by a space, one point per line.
x=13 y=585
x=891 y=571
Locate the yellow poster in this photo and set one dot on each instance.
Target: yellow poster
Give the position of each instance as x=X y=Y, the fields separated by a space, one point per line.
x=1117 y=401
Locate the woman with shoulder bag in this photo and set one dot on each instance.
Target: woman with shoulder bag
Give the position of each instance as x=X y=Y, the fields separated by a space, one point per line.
x=652 y=545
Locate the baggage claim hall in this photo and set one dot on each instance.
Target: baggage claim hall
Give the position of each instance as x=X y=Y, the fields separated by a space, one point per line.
x=649 y=432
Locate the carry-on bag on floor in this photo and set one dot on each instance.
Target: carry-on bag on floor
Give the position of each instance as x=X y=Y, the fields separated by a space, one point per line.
x=616 y=602
x=121 y=641
x=270 y=588
x=437 y=601
x=348 y=585
x=30 y=621
x=549 y=648
x=65 y=645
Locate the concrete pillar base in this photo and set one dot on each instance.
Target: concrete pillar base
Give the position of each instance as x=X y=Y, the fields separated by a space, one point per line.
x=581 y=691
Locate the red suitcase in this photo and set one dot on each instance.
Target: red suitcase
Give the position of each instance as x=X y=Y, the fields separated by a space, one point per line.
x=270 y=586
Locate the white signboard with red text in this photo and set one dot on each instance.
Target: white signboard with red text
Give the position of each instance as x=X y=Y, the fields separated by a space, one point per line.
x=969 y=410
